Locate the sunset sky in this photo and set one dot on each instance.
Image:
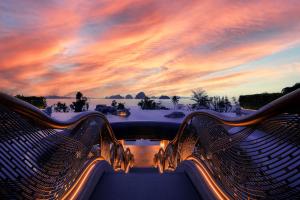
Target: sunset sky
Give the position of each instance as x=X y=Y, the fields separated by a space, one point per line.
x=105 y=47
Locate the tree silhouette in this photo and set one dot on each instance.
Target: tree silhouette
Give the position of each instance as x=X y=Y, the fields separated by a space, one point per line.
x=80 y=102
x=79 y=95
x=175 y=100
x=114 y=103
x=220 y=104
x=39 y=102
x=147 y=104
x=287 y=90
x=201 y=99
x=121 y=106
x=61 y=107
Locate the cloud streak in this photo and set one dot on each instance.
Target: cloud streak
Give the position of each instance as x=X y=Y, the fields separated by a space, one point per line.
x=106 y=47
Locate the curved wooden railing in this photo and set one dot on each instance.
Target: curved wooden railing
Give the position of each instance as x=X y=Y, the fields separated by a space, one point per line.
x=252 y=157
x=43 y=158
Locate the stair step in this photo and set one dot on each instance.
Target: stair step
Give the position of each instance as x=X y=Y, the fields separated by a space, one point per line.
x=144 y=184
x=143 y=170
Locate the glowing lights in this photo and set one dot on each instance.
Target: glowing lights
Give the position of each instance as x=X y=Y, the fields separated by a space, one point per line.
x=122 y=114
x=217 y=191
x=77 y=187
x=163 y=144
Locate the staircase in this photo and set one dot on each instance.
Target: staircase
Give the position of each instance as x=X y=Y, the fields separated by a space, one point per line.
x=144 y=183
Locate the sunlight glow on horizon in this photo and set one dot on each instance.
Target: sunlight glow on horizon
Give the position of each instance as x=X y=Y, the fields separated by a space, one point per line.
x=109 y=47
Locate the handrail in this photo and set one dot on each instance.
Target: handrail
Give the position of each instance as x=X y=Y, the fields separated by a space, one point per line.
x=36 y=114
x=74 y=191
x=245 y=162
x=209 y=179
x=274 y=108
x=54 y=149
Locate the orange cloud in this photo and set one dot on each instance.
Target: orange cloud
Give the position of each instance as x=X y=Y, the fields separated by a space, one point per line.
x=168 y=47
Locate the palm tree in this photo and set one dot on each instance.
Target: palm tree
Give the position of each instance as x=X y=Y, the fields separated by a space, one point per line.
x=175 y=100
x=201 y=99
x=79 y=95
x=147 y=104
x=228 y=105
x=79 y=103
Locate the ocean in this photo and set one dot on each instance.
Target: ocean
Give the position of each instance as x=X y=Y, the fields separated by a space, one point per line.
x=128 y=102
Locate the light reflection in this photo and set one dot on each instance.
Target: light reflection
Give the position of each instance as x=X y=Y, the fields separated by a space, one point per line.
x=163 y=144
x=217 y=191
x=77 y=187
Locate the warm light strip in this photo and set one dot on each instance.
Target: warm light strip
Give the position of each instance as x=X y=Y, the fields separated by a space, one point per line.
x=76 y=188
x=209 y=180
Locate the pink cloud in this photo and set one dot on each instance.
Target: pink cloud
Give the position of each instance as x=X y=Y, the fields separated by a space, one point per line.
x=111 y=46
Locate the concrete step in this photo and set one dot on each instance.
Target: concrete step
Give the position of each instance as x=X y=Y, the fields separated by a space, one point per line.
x=144 y=183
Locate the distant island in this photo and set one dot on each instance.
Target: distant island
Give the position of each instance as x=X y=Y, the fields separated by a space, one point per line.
x=140 y=95
x=118 y=96
x=128 y=96
x=115 y=97
x=58 y=97
x=164 y=97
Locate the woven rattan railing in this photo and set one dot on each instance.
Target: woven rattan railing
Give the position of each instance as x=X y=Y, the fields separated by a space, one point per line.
x=253 y=157
x=42 y=158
